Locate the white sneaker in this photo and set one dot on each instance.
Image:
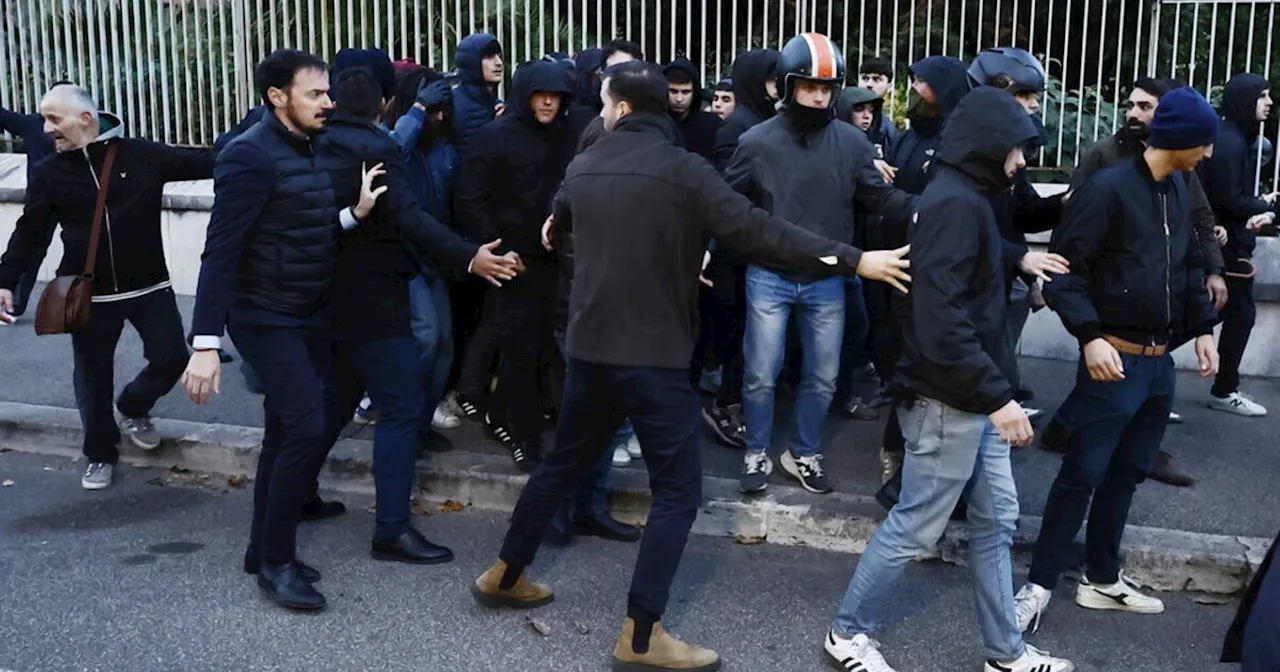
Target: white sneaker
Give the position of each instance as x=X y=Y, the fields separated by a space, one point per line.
x=443 y=419
x=1239 y=404
x=1122 y=595
x=633 y=447
x=1175 y=418
x=860 y=654
x=97 y=476
x=1029 y=605
x=1032 y=660
x=621 y=457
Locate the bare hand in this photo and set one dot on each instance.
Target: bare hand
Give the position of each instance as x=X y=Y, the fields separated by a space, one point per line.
x=886 y=266
x=1012 y=423
x=203 y=377
x=887 y=171
x=498 y=109
x=1255 y=222
x=548 y=228
x=1220 y=235
x=1217 y=288
x=6 y=306
x=496 y=269
x=1207 y=355
x=1103 y=361
x=1041 y=264
x=368 y=194
x=702 y=274
x=1271 y=197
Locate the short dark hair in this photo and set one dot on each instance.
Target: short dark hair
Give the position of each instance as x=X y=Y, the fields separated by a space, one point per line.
x=359 y=93
x=639 y=83
x=877 y=66
x=679 y=76
x=1153 y=86
x=725 y=85
x=625 y=46
x=278 y=69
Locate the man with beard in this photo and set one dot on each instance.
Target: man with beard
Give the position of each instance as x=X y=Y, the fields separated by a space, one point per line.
x=800 y=166
x=1127 y=143
x=698 y=128
x=1137 y=278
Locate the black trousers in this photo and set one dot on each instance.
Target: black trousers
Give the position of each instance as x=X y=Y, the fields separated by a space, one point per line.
x=664 y=409
x=294 y=365
x=730 y=327
x=480 y=348
x=156 y=318
x=1238 y=317
x=526 y=309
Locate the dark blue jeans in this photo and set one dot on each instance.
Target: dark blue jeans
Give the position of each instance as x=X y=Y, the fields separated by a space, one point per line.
x=665 y=411
x=856 y=353
x=1113 y=446
x=431 y=320
x=294 y=365
x=592 y=497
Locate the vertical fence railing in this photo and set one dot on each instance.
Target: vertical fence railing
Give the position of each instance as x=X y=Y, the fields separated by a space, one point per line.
x=181 y=71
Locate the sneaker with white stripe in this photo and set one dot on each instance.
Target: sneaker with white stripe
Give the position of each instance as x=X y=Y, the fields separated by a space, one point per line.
x=860 y=654
x=1122 y=595
x=1032 y=660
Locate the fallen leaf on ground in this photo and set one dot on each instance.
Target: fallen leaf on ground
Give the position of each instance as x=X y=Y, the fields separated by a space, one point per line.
x=7 y=484
x=450 y=506
x=1211 y=599
x=539 y=626
x=238 y=481
x=419 y=507
x=175 y=469
x=747 y=541
x=581 y=628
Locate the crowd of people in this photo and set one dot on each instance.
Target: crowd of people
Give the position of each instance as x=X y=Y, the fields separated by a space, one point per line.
x=616 y=248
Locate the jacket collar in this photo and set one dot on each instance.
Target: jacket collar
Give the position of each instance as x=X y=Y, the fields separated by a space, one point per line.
x=654 y=124
x=301 y=143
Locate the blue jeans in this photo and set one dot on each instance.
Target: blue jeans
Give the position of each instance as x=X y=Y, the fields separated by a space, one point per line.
x=819 y=307
x=1114 y=442
x=592 y=496
x=950 y=453
x=431 y=320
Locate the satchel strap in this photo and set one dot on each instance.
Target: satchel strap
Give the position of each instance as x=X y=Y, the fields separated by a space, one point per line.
x=100 y=209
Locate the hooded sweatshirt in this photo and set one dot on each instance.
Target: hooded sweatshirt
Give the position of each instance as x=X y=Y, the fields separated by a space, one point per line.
x=853 y=96
x=473 y=99
x=587 y=86
x=64 y=190
x=1229 y=174
x=698 y=129
x=955 y=343
x=753 y=104
x=513 y=166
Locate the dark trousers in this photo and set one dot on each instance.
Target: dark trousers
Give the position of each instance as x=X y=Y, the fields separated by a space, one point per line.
x=1113 y=446
x=385 y=368
x=27 y=284
x=664 y=409
x=1238 y=317
x=526 y=309
x=730 y=329
x=294 y=365
x=480 y=349
x=855 y=353
x=156 y=318
x=466 y=298
x=592 y=496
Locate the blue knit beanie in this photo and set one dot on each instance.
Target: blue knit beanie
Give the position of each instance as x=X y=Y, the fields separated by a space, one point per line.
x=376 y=61
x=1183 y=120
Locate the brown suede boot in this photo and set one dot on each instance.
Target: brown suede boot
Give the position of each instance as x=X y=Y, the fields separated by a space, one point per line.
x=525 y=594
x=665 y=653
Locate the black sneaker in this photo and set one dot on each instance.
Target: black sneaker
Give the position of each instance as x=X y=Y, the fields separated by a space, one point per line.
x=468 y=408
x=808 y=470
x=755 y=473
x=726 y=424
x=497 y=432
x=855 y=408
x=525 y=456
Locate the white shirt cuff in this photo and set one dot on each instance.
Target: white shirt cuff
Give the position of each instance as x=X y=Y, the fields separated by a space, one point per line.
x=470 y=264
x=206 y=342
x=348 y=219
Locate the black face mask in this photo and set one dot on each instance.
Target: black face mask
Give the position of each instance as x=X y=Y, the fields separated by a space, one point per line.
x=807 y=119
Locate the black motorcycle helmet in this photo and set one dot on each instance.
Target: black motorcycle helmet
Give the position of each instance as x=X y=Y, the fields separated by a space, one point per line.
x=1009 y=68
x=811 y=56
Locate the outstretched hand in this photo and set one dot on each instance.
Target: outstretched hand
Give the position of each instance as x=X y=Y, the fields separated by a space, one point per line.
x=497 y=269
x=887 y=266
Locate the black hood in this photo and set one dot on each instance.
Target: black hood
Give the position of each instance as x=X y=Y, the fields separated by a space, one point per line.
x=539 y=76
x=471 y=51
x=948 y=77
x=1240 y=102
x=588 y=80
x=686 y=65
x=979 y=134
x=853 y=96
x=750 y=71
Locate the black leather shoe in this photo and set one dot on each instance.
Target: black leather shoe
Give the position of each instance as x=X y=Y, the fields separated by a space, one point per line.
x=308 y=573
x=431 y=441
x=1168 y=473
x=410 y=547
x=605 y=527
x=318 y=509
x=561 y=531
x=285 y=586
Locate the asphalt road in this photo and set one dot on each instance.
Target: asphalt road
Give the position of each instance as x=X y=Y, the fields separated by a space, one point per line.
x=1235 y=458
x=145 y=577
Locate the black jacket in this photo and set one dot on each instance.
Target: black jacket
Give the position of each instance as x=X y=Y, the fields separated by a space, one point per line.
x=510 y=172
x=473 y=100
x=37 y=144
x=955 y=344
x=586 y=86
x=750 y=71
x=64 y=191
x=254 y=115
x=377 y=259
x=1136 y=269
x=698 y=129
x=640 y=209
x=1229 y=175
x=811 y=178
x=1020 y=210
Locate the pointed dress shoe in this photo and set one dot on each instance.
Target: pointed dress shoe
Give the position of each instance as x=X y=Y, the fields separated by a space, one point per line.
x=410 y=547
x=286 y=587
x=252 y=565
x=605 y=526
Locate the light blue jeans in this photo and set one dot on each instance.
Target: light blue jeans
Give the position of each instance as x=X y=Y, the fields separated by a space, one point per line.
x=950 y=453
x=431 y=321
x=819 y=308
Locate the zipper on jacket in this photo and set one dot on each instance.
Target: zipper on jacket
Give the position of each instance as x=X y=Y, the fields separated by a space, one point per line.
x=106 y=222
x=1168 y=253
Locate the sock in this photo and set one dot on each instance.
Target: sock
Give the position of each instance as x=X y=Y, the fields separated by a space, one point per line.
x=510 y=577
x=644 y=621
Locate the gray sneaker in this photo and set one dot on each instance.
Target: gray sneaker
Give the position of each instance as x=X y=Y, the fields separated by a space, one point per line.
x=141 y=432
x=97 y=476
x=755 y=472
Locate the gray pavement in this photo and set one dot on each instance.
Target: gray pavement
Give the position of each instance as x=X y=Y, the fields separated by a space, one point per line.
x=145 y=576
x=1235 y=458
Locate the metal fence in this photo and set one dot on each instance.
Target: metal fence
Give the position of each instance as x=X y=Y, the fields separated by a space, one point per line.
x=181 y=70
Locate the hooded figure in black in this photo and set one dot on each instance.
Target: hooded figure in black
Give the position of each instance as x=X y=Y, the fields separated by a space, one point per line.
x=504 y=190
x=698 y=129
x=474 y=99
x=587 y=84
x=753 y=102
x=855 y=96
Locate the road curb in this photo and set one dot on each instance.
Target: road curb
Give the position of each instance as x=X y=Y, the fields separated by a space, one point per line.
x=1163 y=559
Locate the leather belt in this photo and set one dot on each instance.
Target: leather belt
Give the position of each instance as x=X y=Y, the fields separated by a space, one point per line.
x=1128 y=348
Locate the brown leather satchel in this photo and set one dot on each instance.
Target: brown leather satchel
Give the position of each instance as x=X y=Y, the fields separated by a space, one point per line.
x=64 y=305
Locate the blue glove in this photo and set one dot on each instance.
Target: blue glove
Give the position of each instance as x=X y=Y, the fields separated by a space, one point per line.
x=435 y=94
